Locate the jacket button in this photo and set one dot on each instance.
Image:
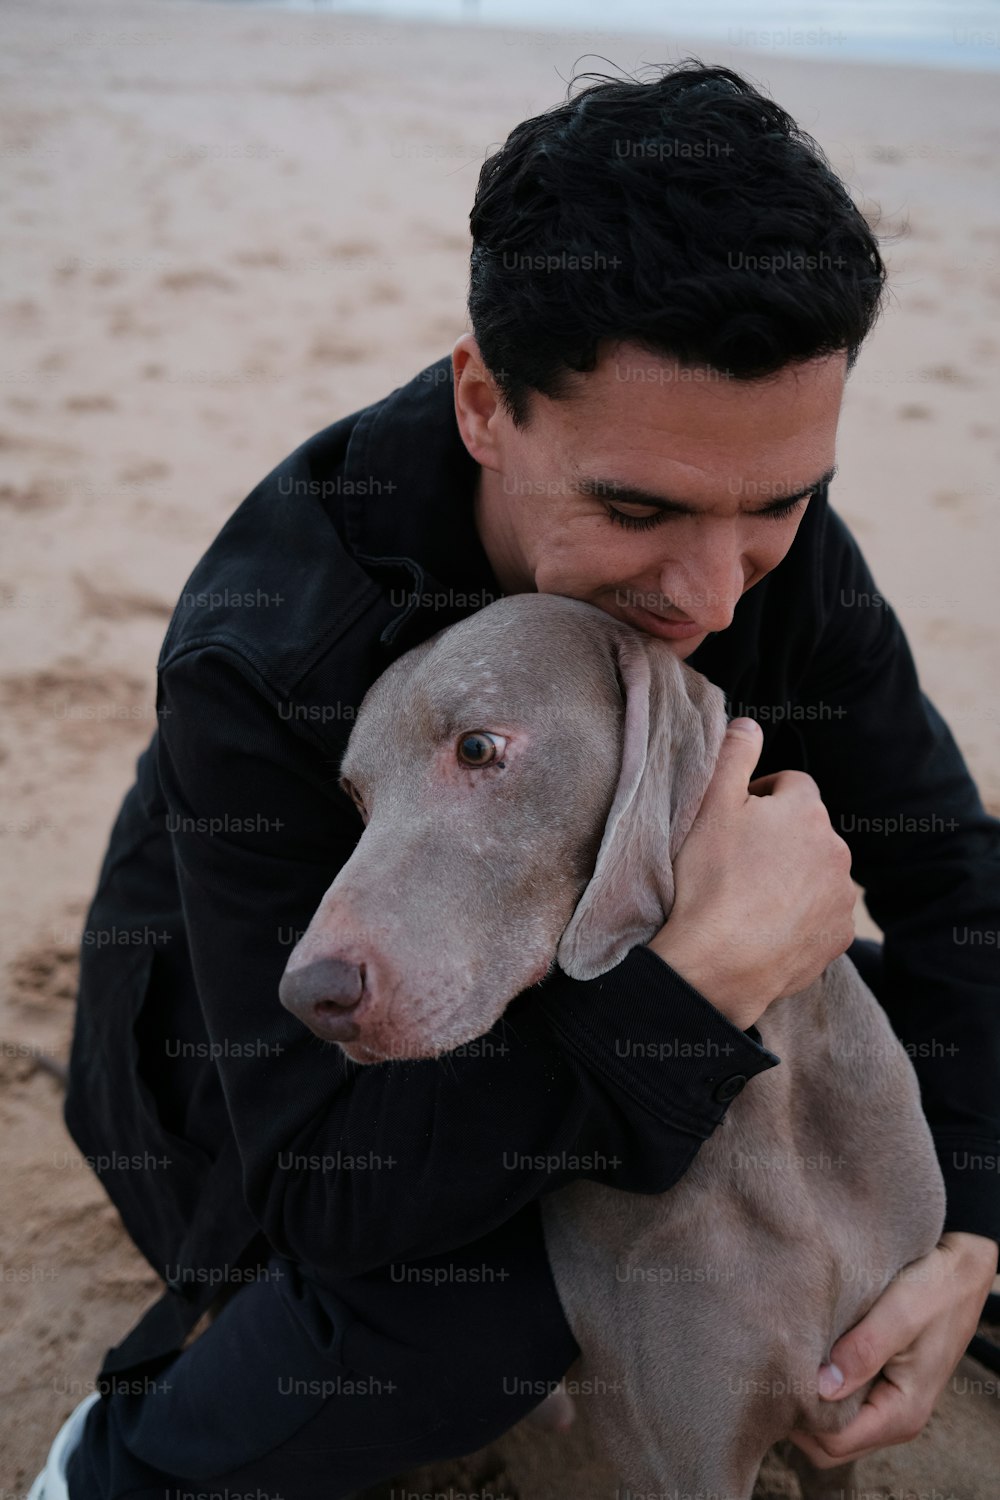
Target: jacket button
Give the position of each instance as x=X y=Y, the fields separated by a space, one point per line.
x=729 y=1088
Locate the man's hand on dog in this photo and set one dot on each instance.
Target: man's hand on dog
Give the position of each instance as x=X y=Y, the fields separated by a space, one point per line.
x=912 y=1339
x=763 y=894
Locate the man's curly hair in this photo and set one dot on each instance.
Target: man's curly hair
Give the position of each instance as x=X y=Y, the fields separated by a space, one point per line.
x=688 y=215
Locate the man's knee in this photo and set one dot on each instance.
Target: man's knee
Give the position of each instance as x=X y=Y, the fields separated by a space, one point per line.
x=480 y=1334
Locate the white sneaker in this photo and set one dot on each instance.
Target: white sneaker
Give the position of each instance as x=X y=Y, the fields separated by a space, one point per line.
x=51 y=1482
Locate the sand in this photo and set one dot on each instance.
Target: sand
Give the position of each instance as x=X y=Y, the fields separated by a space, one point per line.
x=227 y=227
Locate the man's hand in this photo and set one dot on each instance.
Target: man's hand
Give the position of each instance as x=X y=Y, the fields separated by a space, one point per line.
x=915 y=1335
x=763 y=895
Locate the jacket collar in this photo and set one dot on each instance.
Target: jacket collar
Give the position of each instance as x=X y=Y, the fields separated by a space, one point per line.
x=409 y=483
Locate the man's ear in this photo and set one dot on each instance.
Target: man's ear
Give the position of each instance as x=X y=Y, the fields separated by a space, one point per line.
x=675 y=720
x=476 y=402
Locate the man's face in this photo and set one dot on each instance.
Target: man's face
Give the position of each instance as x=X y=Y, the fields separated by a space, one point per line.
x=556 y=502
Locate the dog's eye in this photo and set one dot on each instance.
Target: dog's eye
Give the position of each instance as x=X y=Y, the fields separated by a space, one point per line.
x=355 y=797
x=480 y=748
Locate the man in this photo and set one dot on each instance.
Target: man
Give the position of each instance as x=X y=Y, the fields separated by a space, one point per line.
x=644 y=417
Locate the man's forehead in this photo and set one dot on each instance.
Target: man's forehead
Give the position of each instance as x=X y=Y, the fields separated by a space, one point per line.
x=640 y=395
x=689 y=448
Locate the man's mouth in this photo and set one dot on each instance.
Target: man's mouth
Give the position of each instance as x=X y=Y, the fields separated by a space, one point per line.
x=668 y=627
x=672 y=617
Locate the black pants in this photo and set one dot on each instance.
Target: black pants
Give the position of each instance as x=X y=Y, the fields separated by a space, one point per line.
x=298 y=1391
x=301 y=1392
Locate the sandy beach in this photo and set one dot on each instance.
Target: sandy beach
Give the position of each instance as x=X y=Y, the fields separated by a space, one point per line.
x=225 y=228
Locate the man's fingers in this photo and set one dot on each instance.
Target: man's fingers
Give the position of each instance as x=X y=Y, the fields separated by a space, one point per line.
x=885 y=1332
x=785 y=784
x=738 y=754
x=891 y=1414
x=818 y=1455
x=763 y=786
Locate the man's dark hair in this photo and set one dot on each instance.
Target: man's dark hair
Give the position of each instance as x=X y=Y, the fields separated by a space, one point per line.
x=689 y=215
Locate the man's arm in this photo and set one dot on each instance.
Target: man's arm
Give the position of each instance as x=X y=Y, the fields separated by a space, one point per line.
x=928 y=856
x=345 y=1167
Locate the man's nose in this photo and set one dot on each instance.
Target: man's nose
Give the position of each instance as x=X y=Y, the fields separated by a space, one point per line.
x=322 y=995
x=709 y=591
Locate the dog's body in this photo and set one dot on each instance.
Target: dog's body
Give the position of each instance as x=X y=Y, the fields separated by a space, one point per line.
x=705 y=1314
x=535 y=829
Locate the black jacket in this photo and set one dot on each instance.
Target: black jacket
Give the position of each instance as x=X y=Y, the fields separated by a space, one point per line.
x=213 y=1117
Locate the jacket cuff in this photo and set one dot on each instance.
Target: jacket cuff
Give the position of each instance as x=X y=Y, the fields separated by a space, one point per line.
x=970 y=1167
x=657 y=1038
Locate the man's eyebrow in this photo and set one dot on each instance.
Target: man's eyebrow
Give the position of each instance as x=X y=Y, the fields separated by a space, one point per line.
x=629 y=495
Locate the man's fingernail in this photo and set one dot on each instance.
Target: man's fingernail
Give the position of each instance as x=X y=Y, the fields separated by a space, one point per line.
x=830 y=1380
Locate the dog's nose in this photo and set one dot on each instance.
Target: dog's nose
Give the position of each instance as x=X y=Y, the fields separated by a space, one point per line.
x=322 y=995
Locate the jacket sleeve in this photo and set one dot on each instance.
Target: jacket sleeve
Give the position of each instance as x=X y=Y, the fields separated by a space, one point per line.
x=347 y=1167
x=928 y=856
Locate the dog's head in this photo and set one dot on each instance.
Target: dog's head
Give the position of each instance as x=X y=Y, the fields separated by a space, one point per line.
x=526 y=778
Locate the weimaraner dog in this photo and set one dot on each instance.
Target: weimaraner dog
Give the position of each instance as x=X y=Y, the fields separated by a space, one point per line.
x=820 y=1184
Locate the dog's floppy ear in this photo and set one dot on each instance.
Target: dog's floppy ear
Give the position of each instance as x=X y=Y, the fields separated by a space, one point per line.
x=675 y=720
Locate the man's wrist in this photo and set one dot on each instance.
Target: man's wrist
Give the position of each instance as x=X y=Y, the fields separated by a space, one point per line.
x=978 y=1247
x=734 y=995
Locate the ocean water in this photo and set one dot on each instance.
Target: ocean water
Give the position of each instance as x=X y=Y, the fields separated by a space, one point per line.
x=938 y=33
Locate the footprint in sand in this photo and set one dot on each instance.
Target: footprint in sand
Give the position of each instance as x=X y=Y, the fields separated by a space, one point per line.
x=384 y=291
x=20 y=443
x=272 y=259
x=24 y=313
x=946 y=375
x=89 y=710
x=115 y=603
x=143 y=471
x=197 y=277
x=330 y=351
x=441 y=329
x=90 y=403
x=352 y=250
x=943 y=631
x=441 y=239
x=37 y=494
x=44 y=976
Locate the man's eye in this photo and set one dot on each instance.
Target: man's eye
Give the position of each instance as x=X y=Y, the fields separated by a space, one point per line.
x=781 y=511
x=635 y=523
x=641 y=523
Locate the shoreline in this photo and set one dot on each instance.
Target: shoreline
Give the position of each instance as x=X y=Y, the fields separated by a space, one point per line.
x=802 y=41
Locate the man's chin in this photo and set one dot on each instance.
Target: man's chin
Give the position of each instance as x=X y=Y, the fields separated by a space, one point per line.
x=683 y=649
